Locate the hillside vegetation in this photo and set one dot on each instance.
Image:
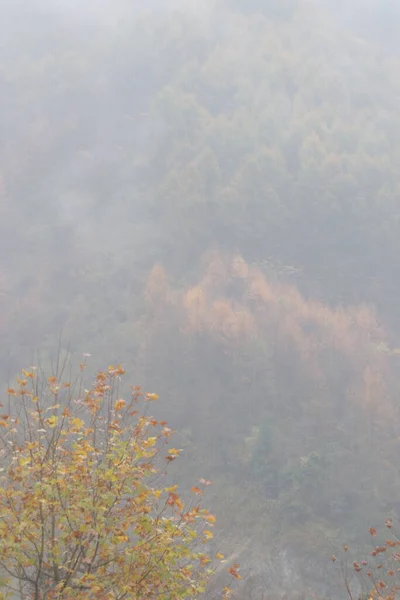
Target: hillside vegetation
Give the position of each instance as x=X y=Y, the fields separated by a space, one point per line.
x=209 y=193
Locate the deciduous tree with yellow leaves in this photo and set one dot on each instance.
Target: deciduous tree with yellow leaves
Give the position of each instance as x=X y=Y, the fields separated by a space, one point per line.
x=83 y=513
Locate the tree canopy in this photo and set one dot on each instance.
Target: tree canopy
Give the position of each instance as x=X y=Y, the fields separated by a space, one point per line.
x=85 y=509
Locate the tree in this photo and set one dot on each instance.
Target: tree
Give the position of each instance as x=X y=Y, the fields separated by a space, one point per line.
x=375 y=574
x=83 y=510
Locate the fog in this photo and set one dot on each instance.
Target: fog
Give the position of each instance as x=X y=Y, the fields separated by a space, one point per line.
x=208 y=192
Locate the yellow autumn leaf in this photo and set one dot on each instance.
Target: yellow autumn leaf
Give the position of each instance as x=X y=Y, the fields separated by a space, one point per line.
x=219 y=556
x=152 y=397
x=28 y=374
x=173 y=488
x=75 y=422
x=208 y=534
x=150 y=442
x=210 y=518
x=52 y=421
x=120 y=404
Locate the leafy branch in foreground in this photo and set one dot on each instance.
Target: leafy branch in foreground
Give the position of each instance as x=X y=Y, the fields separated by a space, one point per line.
x=82 y=511
x=376 y=575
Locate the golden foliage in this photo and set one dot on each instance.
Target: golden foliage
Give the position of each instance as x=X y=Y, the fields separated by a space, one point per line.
x=83 y=510
x=235 y=301
x=285 y=355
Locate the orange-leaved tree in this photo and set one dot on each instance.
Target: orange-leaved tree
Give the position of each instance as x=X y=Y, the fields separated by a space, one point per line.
x=375 y=575
x=83 y=513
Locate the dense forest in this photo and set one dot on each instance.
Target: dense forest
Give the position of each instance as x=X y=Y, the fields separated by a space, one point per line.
x=208 y=192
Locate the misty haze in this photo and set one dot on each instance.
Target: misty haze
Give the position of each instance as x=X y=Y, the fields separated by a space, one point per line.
x=205 y=194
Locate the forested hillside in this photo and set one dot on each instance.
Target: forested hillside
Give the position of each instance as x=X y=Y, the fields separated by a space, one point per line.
x=208 y=192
